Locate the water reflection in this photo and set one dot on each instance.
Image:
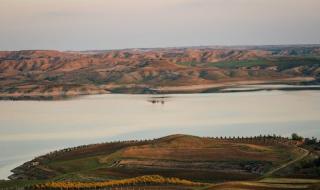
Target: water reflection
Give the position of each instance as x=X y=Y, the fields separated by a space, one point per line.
x=158 y=99
x=31 y=128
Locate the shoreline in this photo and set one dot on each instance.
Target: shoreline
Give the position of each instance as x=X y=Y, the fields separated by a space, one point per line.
x=298 y=83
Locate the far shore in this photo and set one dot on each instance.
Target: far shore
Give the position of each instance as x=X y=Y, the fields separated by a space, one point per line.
x=302 y=83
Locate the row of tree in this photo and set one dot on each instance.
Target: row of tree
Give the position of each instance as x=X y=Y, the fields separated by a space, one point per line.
x=261 y=139
x=56 y=153
x=285 y=140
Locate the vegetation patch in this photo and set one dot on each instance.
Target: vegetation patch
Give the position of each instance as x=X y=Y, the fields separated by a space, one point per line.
x=142 y=180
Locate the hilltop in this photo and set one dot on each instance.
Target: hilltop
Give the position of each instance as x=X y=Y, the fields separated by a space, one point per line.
x=177 y=162
x=48 y=74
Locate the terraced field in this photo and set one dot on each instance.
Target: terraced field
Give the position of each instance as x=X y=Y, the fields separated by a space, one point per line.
x=182 y=156
x=171 y=162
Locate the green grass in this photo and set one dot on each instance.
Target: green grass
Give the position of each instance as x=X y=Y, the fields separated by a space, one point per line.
x=18 y=183
x=268 y=184
x=229 y=64
x=245 y=63
x=282 y=62
x=289 y=180
x=77 y=169
x=287 y=63
x=75 y=165
x=190 y=64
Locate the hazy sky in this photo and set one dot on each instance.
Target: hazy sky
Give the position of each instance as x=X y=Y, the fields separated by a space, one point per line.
x=110 y=24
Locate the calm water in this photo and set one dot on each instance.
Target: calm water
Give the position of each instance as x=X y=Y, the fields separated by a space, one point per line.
x=31 y=128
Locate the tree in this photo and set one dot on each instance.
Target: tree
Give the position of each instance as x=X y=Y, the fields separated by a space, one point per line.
x=296 y=137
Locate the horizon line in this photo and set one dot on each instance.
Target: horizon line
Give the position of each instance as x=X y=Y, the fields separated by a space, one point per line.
x=175 y=47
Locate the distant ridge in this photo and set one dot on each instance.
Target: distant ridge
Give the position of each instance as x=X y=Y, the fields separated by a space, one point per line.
x=50 y=74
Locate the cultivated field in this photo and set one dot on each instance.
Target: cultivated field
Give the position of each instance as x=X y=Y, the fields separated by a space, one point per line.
x=176 y=162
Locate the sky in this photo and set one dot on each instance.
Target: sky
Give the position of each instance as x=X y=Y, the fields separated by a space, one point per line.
x=118 y=24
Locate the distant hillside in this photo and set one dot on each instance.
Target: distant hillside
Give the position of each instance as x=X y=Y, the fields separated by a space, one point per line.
x=36 y=74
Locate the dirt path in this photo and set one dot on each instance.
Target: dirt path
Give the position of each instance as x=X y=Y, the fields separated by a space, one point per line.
x=306 y=153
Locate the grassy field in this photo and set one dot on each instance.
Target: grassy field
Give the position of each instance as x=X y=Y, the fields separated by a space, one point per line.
x=179 y=156
x=281 y=62
x=182 y=156
x=269 y=184
x=18 y=183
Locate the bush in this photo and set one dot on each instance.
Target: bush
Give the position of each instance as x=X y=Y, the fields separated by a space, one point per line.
x=311 y=141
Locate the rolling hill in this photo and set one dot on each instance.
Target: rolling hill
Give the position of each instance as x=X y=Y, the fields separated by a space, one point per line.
x=47 y=74
x=176 y=162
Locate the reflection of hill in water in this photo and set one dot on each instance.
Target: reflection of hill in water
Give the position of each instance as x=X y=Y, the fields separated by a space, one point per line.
x=251 y=88
x=158 y=100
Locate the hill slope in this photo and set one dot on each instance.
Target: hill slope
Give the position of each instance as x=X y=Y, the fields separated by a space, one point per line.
x=176 y=162
x=49 y=74
x=181 y=156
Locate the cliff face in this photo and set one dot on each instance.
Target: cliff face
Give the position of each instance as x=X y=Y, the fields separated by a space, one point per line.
x=51 y=74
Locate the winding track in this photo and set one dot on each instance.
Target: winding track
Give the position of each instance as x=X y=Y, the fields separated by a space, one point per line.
x=306 y=153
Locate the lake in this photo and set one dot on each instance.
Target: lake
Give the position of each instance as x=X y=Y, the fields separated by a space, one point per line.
x=32 y=128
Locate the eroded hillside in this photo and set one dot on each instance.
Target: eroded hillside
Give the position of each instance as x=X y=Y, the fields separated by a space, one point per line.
x=44 y=74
